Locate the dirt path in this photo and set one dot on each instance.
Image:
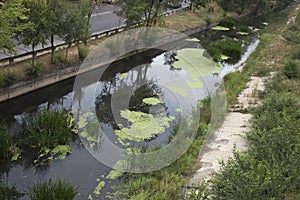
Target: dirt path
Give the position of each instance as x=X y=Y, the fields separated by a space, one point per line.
x=219 y=146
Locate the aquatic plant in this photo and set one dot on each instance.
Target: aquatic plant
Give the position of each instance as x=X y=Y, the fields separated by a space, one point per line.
x=5 y=142
x=228 y=22
x=143 y=126
x=151 y=101
x=8 y=192
x=220 y=28
x=228 y=47
x=48 y=129
x=49 y=190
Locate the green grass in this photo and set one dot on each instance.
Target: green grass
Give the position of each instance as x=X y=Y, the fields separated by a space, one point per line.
x=8 y=78
x=8 y=192
x=50 y=190
x=234 y=83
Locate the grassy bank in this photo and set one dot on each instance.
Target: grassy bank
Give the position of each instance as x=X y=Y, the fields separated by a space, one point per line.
x=270 y=168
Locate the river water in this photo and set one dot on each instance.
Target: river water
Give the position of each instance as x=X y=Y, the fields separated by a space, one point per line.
x=80 y=168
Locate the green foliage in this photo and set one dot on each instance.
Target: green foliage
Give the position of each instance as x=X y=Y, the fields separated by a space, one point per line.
x=7 y=78
x=5 y=142
x=34 y=72
x=270 y=169
x=49 y=190
x=292 y=36
x=58 y=58
x=228 y=47
x=291 y=69
x=234 y=83
x=166 y=183
x=48 y=129
x=7 y=192
x=10 y=13
x=228 y=22
x=83 y=51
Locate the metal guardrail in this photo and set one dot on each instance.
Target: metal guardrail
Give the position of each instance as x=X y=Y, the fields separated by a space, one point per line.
x=24 y=56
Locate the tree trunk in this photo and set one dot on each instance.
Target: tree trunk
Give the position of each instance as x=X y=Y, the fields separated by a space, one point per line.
x=67 y=51
x=33 y=55
x=52 y=46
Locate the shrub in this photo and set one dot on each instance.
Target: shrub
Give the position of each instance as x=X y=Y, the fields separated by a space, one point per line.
x=58 y=58
x=49 y=190
x=228 y=47
x=296 y=53
x=228 y=22
x=83 y=51
x=8 y=78
x=5 y=142
x=7 y=192
x=34 y=72
x=292 y=37
x=47 y=129
x=291 y=69
x=208 y=20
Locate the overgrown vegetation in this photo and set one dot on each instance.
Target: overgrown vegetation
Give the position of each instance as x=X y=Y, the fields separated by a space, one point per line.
x=8 y=192
x=227 y=47
x=48 y=129
x=7 y=78
x=49 y=190
x=5 y=142
x=34 y=72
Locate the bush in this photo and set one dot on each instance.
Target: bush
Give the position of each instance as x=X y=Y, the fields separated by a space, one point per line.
x=8 y=193
x=47 y=129
x=34 y=72
x=58 y=58
x=5 y=142
x=228 y=47
x=83 y=51
x=292 y=37
x=8 y=78
x=291 y=69
x=228 y=22
x=49 y=190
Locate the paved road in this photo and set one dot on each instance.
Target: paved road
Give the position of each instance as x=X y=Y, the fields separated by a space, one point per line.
x=102 y=19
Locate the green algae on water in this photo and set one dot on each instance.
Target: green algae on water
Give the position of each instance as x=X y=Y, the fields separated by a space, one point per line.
x=143 y=126
x=123 y=75
x=114 y=174
x=98 y=188
x=151 y=101
x=220 y=28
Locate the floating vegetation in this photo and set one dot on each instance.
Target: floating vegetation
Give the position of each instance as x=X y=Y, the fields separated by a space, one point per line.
x=151 y=101
x=179 y=110
x=242 y=33
x=265 y=23
x=229 y=47
x=192 y=40
x=143 y=126
x=16 y=153
x=123 y=75
x=182 y=90
x=224 y=57
x=98 y=188
x=61 y=151
x=90 y=129
x=114 y=174
x=220 y=28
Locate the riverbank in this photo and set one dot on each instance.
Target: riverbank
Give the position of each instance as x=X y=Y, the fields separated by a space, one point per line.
x=187 y=22
x=245 y=160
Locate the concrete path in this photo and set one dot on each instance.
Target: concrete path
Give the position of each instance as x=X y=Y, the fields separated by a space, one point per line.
x=219 y=145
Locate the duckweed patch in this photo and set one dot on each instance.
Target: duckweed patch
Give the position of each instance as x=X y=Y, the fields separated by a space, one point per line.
x=143 y=126
x=114 y=174
x=151 y=101
x=98 y=188
x=220 y=28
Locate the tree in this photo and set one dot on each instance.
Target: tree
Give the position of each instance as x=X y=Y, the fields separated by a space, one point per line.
x=75 y=27
x=37 y=12
x=137 y=11
x=55 y=17
x=10 y=14
x=196 y=4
